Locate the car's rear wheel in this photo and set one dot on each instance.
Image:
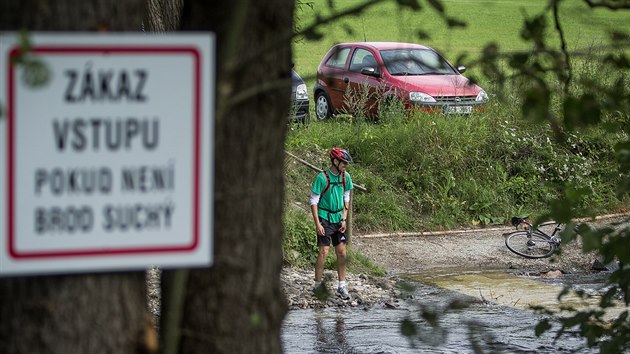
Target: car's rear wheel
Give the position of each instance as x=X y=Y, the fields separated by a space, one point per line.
x=322 y=106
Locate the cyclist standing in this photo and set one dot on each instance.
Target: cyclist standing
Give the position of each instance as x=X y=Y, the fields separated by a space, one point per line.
x=330 y=200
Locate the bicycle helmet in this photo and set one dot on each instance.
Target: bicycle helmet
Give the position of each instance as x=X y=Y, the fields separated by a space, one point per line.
x=341 y=155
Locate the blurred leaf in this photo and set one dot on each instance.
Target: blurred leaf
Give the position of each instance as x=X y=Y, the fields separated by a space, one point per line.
x=620 y=60
x=623 y=188
x=472 y=80
x=437 y=5
x=581 y=111
x=461 y=59
x=616 y=97
x=591 y=241
x=458 y=304
x=430 y=316
x=561 y=210
x=538 y=68
x=620 y=38
x=408 y=328
x=453 y=22
x=36 y=73
x=24 y=42
x=608 y=299
x=406 y=286
x=591 y=110
x=321 y=292
x=536 y=102
x=490 y=52
x=534 y=30
x=313 y=34
x=422 y=35
x=564 y=292
x=568 y=234
x=412 y=4
x=519 y=60
x=348 y=29
x=542 y=327
x=622 y=151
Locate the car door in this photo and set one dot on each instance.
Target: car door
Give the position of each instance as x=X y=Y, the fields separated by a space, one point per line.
x=363 y=90
x=333 y=73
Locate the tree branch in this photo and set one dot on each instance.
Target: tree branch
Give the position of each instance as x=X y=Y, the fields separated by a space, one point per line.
x=609 y=4
x=563 y=45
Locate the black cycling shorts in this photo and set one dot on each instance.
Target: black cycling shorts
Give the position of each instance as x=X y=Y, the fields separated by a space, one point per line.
x=331 y=234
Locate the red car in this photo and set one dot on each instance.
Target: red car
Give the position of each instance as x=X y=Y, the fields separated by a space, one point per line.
x=415 y=74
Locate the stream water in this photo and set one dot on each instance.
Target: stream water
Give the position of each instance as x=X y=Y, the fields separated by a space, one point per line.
x=495 y=318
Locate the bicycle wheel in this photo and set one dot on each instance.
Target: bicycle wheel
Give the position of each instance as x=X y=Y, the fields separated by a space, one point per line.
x=539 y=246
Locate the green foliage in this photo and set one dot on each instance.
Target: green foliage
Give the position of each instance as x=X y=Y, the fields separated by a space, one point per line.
x=588 y=122
x=35 y=73
x=299 y=247
x=436 y=171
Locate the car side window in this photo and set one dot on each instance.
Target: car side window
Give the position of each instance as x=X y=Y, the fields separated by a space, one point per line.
x=338 y=60
x=362 y=58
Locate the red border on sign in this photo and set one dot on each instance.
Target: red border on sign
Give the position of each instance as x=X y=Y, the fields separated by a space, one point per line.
x=110 y=50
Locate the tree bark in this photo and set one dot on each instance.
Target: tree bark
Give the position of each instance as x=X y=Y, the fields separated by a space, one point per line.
x=74 y=314
x=237 y=305
x=104 y=313
x=162 y=15
x=71 y=15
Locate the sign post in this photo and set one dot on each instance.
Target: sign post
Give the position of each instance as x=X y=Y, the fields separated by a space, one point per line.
x=108 y=164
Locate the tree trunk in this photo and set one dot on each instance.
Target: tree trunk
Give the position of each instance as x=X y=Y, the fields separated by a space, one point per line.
x=104 y=313
x=162 y=15
x=74 y=314
x=237 y=305
x=71 y=15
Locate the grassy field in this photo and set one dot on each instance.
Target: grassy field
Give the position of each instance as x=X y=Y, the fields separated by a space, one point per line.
x=498 y=21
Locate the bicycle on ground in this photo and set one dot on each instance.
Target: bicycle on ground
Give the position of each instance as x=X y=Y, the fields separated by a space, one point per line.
x=532 y=241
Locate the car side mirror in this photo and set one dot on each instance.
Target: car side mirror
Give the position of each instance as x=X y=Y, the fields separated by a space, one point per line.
x=461 y=69
x=370 y=71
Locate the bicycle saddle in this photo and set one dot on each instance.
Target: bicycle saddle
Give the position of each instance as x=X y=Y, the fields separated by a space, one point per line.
x=517 y=220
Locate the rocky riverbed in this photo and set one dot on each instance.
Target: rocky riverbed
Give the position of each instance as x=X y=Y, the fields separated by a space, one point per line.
x=399 y=255
x=365 y=291
x=298 y=285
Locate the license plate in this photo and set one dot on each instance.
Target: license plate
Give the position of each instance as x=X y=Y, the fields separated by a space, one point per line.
x=458 y=109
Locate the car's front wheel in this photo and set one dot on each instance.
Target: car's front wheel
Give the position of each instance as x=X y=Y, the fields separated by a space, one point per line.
x=322 y=106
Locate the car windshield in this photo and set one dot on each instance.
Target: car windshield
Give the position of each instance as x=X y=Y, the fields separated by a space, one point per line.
x=415 y=62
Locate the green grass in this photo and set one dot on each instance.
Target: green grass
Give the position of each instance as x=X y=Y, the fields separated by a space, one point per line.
x=497 y=21
x=427 y=171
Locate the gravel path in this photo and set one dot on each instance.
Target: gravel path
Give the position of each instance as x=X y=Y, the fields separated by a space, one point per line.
x=474 y=249
x=480 y=248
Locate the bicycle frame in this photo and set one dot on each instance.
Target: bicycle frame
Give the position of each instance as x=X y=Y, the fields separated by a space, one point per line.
x=531 y=229
x=556 y=229
x=529 y=242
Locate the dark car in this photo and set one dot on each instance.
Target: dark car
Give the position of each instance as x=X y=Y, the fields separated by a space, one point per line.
x=413 y=74
x=299 y=99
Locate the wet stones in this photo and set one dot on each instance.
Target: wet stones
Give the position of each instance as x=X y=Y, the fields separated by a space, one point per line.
x=364 y=291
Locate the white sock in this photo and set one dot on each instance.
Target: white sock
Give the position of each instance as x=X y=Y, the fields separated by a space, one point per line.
x=342 y=284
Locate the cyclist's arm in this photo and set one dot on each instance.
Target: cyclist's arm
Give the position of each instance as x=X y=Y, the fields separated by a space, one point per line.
x=314 y=200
